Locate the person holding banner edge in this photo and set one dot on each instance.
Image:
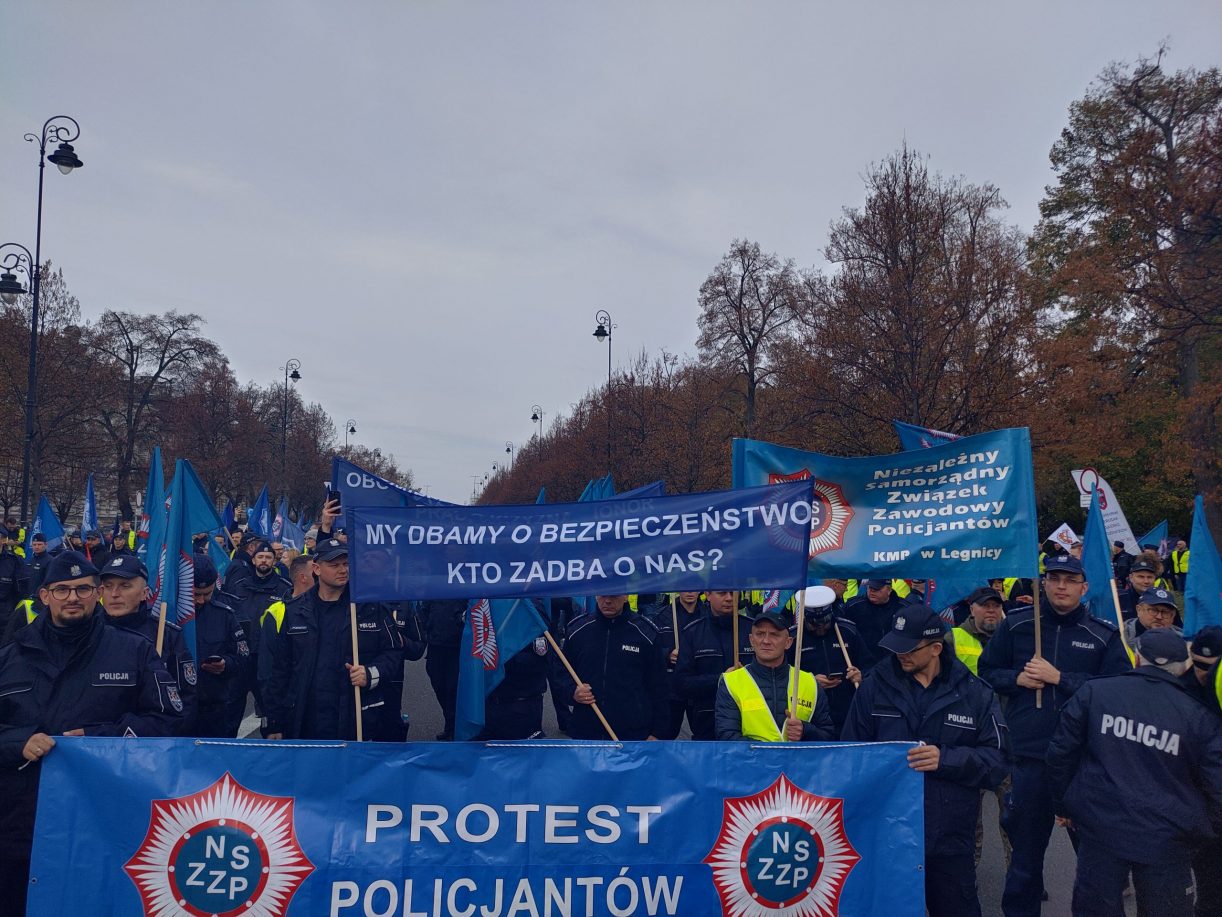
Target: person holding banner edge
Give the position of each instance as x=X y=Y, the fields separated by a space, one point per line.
x=706 y=652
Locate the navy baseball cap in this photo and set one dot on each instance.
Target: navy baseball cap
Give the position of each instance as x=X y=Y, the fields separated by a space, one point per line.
x=984 y=594
x=911 y=627
x=39 y=537
x=205 y=571
x=777 y=619
x=1066 y=563
x=1156 y=596
x=1144 y=564
x=1161 y=645
x=330 y=549
x=875 y=583
x=1207 y=644
x=68 y=566
x=125 y=566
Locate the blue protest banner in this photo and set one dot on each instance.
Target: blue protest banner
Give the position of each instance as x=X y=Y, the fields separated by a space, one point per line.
x=358 y=487
x=1156 y=538
x=176 y=827
x=914 y=437
x=744 y=539
x=1203 y=585
x=912 y=514
x=45 y=523
x=151 y=536
x=259 y=515
x=89 y=515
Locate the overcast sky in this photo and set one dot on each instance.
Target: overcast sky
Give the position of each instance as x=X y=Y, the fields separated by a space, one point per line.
x=426 y=202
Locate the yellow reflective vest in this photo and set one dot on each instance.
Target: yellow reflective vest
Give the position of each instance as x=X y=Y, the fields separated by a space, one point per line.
x=968 y=648
x=276 y=610
x=758 y=723
x=1179 y=561
x=27 y=605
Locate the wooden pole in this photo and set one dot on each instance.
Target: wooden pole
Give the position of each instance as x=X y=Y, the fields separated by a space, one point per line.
x=734 y=627
x=356 y=660
x=674 y=619
x=161 y=628
x=844 y=649
x=800 y=608
x=1039 y=643
x=1120 y=623
x=577 y=679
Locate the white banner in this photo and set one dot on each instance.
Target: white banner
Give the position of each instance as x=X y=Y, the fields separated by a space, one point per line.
x=1117 y=525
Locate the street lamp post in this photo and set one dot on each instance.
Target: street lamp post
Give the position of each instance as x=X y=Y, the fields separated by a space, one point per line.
x=509 y=452
x=290 y=372
x=536 y=416
x=349 y=427
x=603 y=333
x=66 y=160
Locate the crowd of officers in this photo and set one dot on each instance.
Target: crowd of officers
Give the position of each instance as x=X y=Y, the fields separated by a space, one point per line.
x=1114 y=733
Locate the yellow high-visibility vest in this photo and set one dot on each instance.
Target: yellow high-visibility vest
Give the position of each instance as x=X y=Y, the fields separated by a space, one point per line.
x=968 y=648
x=758 y=723
x=1179 y=561
x=276 y=610
x=30 y=613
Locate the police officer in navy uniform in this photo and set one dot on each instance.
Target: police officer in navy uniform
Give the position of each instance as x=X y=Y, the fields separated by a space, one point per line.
x=313 y=673
x=14 y=577
x=1135 y=765
x=706 y=652
x=872 y=614
x=925 y=694
x=1075 y=647
x=36 y=563
x=443 y=621
x=124 y=594
x=514 y=709
x=249 y=596
x=825 y=642
x=1143 y=573
x=615 y=653
x=68 y=674
x=223 y=652
x=681 y=609
x=1204 y=681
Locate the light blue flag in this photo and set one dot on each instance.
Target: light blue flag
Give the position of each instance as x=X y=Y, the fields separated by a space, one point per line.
x=45 y=523
x=914 y=437
x=227 y=517
x=542 y=498
x=259 y=516
x=1097 y=563
x=151 y=536
x=1203 y=585
x=1157 y=536
x=190 y=511
x=89 y=517
x=494 y=632
x=285 y=530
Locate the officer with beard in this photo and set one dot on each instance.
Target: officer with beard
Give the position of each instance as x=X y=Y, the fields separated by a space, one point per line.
x=250 y=596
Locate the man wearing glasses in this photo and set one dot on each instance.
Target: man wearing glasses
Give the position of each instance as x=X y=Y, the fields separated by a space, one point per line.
x=68 y=674
x=1156 y=608
x=1035 y=686
x=925 y=694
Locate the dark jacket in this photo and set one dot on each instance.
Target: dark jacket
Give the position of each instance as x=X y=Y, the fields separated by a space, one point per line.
x=110 y=684
x=872 y=622
x=525 y=675
x=1136 y=762
x=1078 y=645
x=35 y=566
x=706 y=650
x=249 y=596
x=960 y=714
x=295 y=668
x=443 y=621
x=619 y=659
x=14 y=580
x=823 y=656
x=174 y=656
x=219 y=633
x=774 y=686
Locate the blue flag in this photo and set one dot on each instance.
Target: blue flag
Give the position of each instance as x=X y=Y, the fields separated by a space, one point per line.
x=1203 y=585
x=923 y=514
x=151 y=536
x=542 y=498
x=45 y=523
x=228 y=518
x=1097 y=563
x=190 y=511
x=259 y=515
x=89 y=517
x=914 y=437
x=494 y=632
x=285 y=530
x=1157 y=537
x=654 y=489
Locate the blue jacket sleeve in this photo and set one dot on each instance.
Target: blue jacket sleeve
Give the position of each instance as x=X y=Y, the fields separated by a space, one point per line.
x=727 y=718
x=996 y=663
x=820 y=728
x=1066 y=747
x=858 y=724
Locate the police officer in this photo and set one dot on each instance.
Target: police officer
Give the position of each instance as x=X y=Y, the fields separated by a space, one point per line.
x=1135 y=765
x=1075 y=647
x=68 y=674
x=1142 y=574
x=313 y=672
x=514 y=709
x=872 y=614
x=223 y=652
x=825 y=642
x=36 y=563
x=1179 y=563
x=301 y=575
x=616 y=655
x=706 y=651
x=670 y=617
x=1122 y=561
x=249 y=596
x=14 y=582
x=925 y=694
x=443 y=621
x=755 y=701
x=125 y=603
x=1155 y=608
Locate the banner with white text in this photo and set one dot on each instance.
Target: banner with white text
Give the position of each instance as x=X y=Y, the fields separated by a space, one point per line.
x=731 y=539
x=171 y=828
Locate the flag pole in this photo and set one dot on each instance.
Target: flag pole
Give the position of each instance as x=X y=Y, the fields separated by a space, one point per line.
x=577 y=680
x=1128 y=650
x=800 y=610
x=161 y=628
x=356 y=660
x=1039 y=643
x=844 y=650
x=734 y=627
x=674 y=618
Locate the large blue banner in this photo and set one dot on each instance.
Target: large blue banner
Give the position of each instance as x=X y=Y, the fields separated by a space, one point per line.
x=732 y=539
x=912 y=514
x=173 y=828
x=358 y=487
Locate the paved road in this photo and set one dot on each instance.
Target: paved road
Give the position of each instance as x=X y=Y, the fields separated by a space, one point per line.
x=426 y=723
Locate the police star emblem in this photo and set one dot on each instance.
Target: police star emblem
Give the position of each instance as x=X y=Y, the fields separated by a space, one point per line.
x=224 y=850
x=782 y=850
x=831 y=513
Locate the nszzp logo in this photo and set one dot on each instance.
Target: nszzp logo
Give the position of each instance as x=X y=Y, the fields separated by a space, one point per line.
x=217 y=853
x=830 y=512
x=781 y=850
